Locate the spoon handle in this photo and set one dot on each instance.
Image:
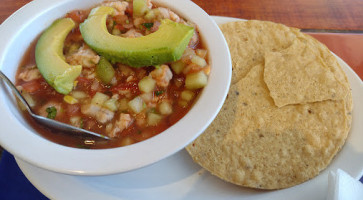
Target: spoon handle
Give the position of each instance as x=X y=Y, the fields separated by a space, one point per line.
x=17 y=93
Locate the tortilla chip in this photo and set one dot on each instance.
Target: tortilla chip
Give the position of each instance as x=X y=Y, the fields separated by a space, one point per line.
x=248 y=41
x=254 y=143
x=334 y=66
x=298 y=75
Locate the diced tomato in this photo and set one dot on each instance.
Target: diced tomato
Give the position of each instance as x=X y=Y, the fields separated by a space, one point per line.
x=129 y=130
x=121 y=28
x=120 y=19
x=132 y=86
x=73 y=110
x=192 y=68
x=32 y=86
x=84 y=84
x=74 y=36
x=129 y=10
x=83 y=80
x=156 y=26
x=77 y=16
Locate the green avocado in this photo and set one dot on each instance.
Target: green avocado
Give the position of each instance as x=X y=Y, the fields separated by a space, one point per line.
x=167 y=44
x=50 y=59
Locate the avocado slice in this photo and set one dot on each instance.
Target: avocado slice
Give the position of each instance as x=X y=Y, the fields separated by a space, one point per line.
x=165 y=45
x=50 y=59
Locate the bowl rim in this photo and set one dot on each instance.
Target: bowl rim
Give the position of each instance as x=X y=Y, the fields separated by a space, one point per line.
x=19 y=140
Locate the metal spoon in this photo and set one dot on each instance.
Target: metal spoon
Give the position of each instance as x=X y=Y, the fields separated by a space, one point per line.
x=46 y=121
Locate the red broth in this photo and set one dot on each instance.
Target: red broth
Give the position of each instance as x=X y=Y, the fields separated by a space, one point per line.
x=167 y=103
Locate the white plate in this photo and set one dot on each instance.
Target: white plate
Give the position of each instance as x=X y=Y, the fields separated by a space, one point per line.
x=177 y=177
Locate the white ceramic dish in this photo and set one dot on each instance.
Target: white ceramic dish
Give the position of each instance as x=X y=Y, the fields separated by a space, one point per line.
x=179 y=178
x=23 y=142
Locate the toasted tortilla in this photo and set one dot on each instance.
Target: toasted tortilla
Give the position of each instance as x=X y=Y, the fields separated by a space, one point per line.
x=297 y=75
x=249 y=40
x=258 y=143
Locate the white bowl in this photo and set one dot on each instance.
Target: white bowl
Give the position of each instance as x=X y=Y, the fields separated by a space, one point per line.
x=19 y=30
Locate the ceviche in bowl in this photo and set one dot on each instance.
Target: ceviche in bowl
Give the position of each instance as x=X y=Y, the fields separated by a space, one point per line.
x=150 y=75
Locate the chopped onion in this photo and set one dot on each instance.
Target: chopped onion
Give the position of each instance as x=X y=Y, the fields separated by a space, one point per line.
x=76 y=121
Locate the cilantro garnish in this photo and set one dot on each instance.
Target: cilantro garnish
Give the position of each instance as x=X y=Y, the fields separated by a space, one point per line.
x=158 y=93
x=52 y=112
x=148 y=25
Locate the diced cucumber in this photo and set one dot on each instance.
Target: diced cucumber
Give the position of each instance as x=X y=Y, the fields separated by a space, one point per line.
x=199 y=61
x=150 y=15
x=99 y=99
x=104 y=70
x=111 y=104
x=196 y=80
x=147 y=97
x=187 y=95
x=139 y=8
x=165 y=108
x=183 y=103
x=116 y=31
x=122 y=104
x=201 y=53
x=136 y=105
x=147 y=84
x=153 y=119
x=177 y=66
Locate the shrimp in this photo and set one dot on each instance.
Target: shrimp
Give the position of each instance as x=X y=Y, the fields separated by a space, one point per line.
x=120 y=6
x=85 y=56
x=132 y=33
x=162 y=75
x=194 y=41
x=149 y=4
x=58 y=109
x=30 y=73
x=165 y=13
x=121 y=124
x=139 y=21
x=101 y=114
x=89 y=73
x=174 y=17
